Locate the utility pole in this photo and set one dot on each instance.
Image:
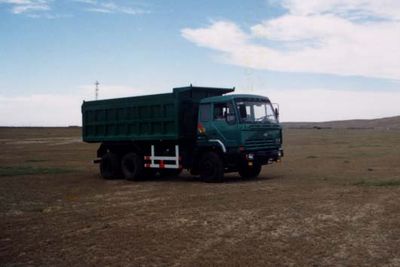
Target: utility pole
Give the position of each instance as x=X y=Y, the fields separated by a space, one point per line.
x=97 y=90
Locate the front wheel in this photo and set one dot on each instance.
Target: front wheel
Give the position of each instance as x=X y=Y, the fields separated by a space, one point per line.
x=211 y=167
x=247 y=171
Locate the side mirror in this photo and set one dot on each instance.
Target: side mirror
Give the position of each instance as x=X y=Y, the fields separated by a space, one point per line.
x=277 y=113
x=276 y=110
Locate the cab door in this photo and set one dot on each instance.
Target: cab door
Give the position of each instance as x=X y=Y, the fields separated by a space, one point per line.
x=224 y=123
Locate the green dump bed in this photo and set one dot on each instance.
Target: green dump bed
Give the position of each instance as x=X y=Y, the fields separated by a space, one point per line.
x=170 y=116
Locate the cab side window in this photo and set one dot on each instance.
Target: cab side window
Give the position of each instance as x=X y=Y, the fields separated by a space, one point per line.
x=224 y=111
x=219 y=111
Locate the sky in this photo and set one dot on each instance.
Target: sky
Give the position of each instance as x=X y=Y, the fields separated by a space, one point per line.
x=319 y=60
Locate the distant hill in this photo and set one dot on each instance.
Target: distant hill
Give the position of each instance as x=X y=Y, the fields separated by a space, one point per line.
x=384 y=123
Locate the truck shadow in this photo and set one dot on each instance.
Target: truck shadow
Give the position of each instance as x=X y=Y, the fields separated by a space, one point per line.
x=228 y=179
x=238 y=179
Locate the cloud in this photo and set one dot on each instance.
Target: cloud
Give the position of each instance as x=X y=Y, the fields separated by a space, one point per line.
x=58 y=109
x=111 y=7
x=42 y=8
x=353 y=9
x=356 y=37
x=27 y=6
x=326 y=105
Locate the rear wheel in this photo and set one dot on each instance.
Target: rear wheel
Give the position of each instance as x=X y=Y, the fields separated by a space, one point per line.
x=132 y=166
x=247 y=171
x=110 y=166
x=211 y=167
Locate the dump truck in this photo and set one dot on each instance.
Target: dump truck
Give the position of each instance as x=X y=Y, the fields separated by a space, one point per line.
x=204 y=130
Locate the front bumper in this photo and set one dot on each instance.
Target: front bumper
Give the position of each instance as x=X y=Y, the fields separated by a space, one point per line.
x=262 y=157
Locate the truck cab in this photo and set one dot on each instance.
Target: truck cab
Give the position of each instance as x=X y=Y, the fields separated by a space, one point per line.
x=243 y=130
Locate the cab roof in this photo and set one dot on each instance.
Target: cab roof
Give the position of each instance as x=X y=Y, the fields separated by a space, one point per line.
x=230 y=97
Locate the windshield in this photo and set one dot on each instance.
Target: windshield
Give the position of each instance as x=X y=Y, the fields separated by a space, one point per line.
x=255 y=111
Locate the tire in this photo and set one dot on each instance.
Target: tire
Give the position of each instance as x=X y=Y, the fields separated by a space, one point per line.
x=170 y=172
x=132 y=167
x=110 y=166
x=211 y=168
x=250 y=171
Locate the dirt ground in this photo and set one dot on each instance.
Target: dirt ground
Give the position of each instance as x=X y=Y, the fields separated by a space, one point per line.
x=333 y=200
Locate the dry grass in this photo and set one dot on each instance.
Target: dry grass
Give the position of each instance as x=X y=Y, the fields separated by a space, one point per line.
x=332 y=201
x=29 y=170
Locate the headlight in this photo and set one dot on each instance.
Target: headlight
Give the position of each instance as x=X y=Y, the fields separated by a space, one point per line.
x=250 y=156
